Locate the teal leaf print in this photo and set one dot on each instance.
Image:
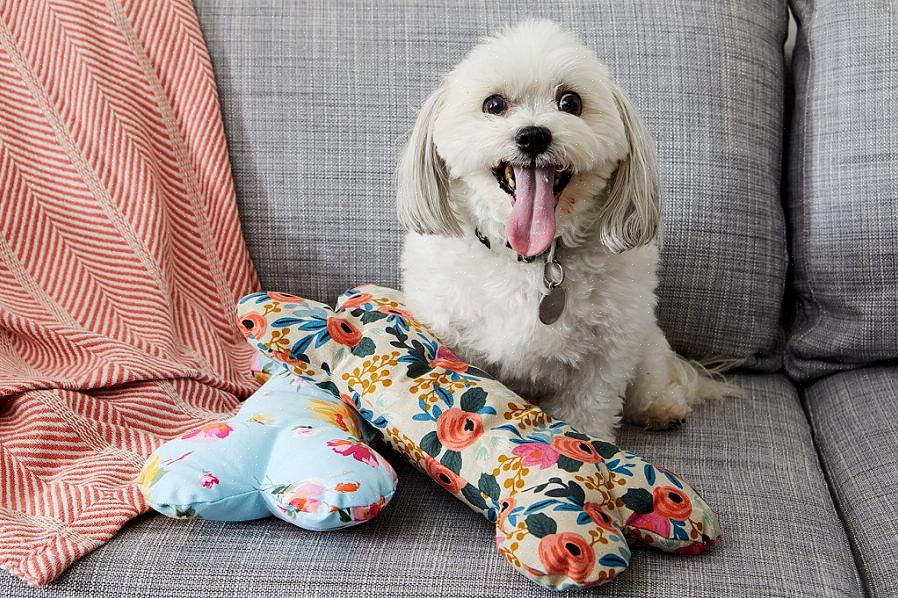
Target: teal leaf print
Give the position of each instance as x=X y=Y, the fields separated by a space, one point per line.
x=329 y=387
x=281 y=322
x=673 y=480
x=678 y=530
x=473 y=400
x=430 y=444
x=452 y=460
x=364 y=348
x=638 y=500
x=568 y=464
x=188 y=513
x=540 y=525
x=372 y=316
x=473 y=496
x=612 y=560
x=418 y=369
x=445 y=395
x=606 y=450
x=649 y=474
x=489 y=486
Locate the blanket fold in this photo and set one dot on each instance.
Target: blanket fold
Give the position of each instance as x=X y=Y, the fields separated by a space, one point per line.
x=121 y=256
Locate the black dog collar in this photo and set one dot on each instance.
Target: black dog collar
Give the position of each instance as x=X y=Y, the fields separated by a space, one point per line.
x=521 y=258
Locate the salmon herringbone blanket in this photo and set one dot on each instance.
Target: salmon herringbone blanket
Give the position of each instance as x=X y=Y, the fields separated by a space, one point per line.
x=121 y=258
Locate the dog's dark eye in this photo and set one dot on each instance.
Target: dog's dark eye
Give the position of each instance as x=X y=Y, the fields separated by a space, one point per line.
x=495 y=104
x=570 y=102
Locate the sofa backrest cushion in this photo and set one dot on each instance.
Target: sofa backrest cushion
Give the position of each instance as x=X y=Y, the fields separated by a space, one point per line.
x=842 y=187
x=317 y=102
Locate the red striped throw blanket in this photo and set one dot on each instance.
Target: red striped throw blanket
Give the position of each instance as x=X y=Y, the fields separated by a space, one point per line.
x=121 y=259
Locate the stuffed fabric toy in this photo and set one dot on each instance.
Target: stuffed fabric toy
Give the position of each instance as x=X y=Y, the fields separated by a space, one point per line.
x=565 y=505
x=293 y=451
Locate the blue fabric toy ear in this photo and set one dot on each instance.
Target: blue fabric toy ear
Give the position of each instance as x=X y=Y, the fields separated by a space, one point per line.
x=292 y=451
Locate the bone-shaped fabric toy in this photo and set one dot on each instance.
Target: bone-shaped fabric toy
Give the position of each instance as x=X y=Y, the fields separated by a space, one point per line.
x=565 y=505
x=293 y=451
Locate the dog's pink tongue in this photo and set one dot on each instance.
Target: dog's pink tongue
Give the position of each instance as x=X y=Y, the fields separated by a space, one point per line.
x=531 y=228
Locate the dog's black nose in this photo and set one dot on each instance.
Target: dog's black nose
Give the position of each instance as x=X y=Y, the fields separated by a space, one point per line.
x=533 y=140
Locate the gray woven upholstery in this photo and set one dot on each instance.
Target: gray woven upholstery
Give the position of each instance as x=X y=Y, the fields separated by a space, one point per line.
x=843 y=187
x=317 y=97
x=854 y=417
x=753 y=460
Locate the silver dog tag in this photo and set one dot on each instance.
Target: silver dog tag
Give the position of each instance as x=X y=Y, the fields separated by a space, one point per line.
x=552 y=305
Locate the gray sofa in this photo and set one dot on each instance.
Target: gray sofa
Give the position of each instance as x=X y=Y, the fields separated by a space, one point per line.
x=781 y=250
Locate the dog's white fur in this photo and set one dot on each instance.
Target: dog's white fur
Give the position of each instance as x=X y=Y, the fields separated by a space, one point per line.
x=483 y=302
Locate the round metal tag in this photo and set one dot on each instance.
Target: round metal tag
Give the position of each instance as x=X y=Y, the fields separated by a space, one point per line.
x=552 y=305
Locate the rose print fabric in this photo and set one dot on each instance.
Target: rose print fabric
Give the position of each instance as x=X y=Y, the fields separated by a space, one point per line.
x=292 y=451
x=567 y=507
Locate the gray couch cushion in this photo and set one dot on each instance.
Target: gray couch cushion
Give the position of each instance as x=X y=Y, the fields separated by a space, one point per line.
x=853 y=415
x=317 y=99
x=753 y=460
x=843 y=187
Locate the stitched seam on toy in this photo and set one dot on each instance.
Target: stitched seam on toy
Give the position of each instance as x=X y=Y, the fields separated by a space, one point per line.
x=249 y=492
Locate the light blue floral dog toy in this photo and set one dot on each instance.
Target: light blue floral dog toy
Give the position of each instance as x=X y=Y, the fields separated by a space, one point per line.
x=293 y=451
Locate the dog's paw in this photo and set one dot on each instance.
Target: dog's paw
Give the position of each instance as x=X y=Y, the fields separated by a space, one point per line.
x=661 y=413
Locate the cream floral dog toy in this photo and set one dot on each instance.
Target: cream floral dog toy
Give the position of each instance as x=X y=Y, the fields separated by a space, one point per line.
x=565 y=505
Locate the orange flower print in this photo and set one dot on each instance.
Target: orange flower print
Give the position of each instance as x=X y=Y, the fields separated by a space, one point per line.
x=505 y=506
x=305 y=497
x=252 y=324
x=671 y=502
x=334 y=413
x=598 y=516
x=356 y=300
x=285 y=358
x=394 y=311
x=347 y=486
x=458 y=429
x=209 y=432
x=368 y=512
x=285 y=297
x=442 y=475
x=355 y=449
x=567 y=554
x=579 y=450
x=447 y=360
x=343 y=332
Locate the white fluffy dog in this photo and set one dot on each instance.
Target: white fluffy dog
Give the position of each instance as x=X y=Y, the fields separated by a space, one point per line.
x=527 y=165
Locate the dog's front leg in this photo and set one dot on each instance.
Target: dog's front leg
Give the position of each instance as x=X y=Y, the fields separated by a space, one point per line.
x=659 y=396
x=591 y=401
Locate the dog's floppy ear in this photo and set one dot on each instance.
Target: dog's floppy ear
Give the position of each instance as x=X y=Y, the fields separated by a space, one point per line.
x=631 y=216
x=422 y=189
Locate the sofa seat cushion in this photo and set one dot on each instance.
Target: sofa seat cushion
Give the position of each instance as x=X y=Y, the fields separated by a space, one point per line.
x=842 y=187
x=317 y=103
x=854 y=415
x=752 y=459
